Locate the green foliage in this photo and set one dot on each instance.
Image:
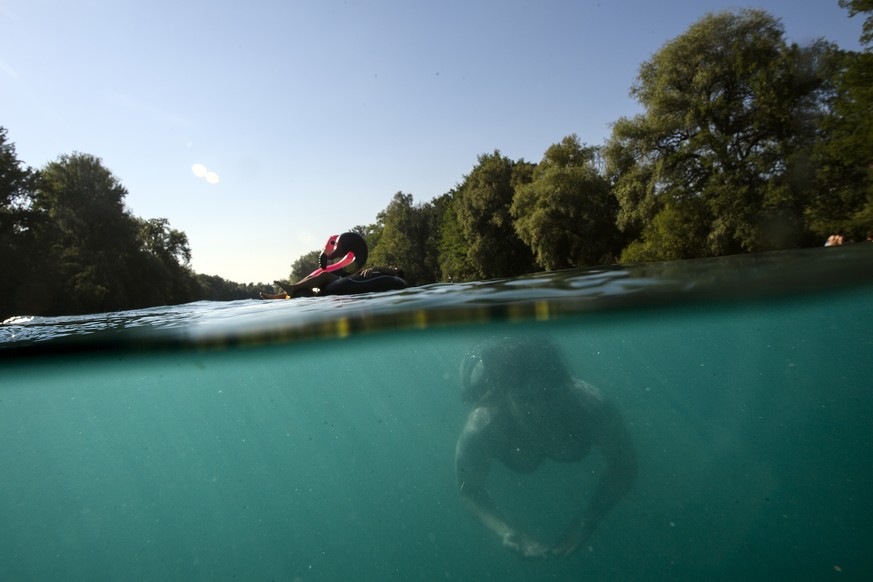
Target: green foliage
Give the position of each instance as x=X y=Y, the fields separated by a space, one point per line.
x=75 y=247
x=215 y=288
x=406 y=234
x=567 y=214
x=843 y=199
x=371 y=233
x=16 y=220
x=89 y=235
x=483 y=201
x=455 y=264
x=675 y=233
x=399 y=227
x=304 y=265
x=15 y=182
x=731 y=114
x=856 y=7
x=166 y=252
x=162 y=241
x=430 y=225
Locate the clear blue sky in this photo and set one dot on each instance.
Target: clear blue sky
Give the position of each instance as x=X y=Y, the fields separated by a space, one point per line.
x=311 y=114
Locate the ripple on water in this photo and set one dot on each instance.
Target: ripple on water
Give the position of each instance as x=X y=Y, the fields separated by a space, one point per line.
x=538 y=296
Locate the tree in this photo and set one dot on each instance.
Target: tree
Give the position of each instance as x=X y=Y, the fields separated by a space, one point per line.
x=430 y=218
x=484 y=199
x=730 y=120
x=843 y=200
x=674 y=233
x=566 y=215
x=69 y=245
x=305 y=265
x=454 y=263
x=404 y=237
x=16 y=219
x=15 y=184
x=856 y=7
x=215 y=288
x=167 y=243
x=89 y=236
x=163 y=275
x=397 y=233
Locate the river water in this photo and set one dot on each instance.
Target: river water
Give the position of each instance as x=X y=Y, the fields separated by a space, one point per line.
x=314 y=439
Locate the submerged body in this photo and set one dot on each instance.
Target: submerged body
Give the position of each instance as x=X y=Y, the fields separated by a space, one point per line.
x=529 y=409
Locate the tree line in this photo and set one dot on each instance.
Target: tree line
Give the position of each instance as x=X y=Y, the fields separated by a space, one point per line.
x=745 y=143
x=69 y=245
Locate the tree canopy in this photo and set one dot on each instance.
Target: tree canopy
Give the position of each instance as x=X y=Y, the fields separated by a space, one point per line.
x=77 y=248
x=856 y=7
x=566 y=214
x=730 y=119
x=843 y=199
x=16 y=240
x=482 y=206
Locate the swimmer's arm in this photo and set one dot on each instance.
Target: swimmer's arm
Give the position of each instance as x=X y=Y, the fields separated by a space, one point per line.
x=370 y=271
x=473 y=463
x=618 y=477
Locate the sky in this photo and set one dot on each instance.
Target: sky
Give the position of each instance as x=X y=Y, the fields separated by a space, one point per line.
x=260 y=128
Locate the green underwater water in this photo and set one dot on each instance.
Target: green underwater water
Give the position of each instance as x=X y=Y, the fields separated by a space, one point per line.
x=332 y=458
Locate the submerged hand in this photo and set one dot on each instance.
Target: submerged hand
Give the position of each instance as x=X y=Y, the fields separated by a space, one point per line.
x=577 y=534
x=524 y=546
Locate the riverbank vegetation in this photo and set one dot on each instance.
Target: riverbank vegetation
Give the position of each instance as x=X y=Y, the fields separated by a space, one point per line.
x=745 y=143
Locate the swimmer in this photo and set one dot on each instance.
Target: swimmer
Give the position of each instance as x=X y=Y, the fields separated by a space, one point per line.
x=348 y=248
x=333 y=279
x=529 y=408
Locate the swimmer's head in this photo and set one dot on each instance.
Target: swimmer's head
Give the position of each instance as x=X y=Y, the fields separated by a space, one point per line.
x=529 y=367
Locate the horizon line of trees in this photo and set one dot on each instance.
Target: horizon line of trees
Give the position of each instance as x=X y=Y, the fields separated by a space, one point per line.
x=746 y=143
x=69 y=245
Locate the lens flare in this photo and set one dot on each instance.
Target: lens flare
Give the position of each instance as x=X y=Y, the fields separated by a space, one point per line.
x=202 y=171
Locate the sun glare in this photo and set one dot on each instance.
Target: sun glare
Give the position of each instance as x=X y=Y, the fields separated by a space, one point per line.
x=202 y=172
